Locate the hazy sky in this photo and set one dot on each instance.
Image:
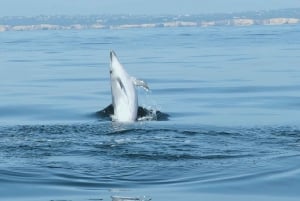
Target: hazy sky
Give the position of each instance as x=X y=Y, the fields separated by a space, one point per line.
x=85 y=7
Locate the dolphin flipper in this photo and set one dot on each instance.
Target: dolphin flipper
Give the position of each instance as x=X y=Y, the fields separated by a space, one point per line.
x=140 y=83
x=143 y=113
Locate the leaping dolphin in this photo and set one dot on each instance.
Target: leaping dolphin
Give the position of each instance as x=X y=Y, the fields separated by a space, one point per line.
x=124 y=107
x=124 y=96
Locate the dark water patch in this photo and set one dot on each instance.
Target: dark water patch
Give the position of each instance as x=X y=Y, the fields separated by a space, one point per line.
x=75 y=64
x=189 y=114
x=176 y=157
x=252 y=101
x=10 y=175
x=291 y=49
x=206 y=55
x=39 y=112
x=96 y=43
x=21 y=60
x=242 y=59
x=95 y=79
x=150 y=58
x=20 y=41
x=25 y=110
x=286 y=70
x=159 y=62
x=229 y=38
x=176 y=81
x=261 y=34
x=52 y=52
x=282 y=131
x=185 y=34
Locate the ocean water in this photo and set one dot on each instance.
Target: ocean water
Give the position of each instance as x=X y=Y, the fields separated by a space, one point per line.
x=232 y=93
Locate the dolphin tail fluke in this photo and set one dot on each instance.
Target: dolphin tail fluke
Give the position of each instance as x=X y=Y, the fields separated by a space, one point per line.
x=140 y=83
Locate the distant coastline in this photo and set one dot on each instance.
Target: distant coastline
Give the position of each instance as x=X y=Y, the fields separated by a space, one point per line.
x=276 y=17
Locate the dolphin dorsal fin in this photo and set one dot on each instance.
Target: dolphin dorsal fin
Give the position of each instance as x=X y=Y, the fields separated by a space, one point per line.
x=140 y=83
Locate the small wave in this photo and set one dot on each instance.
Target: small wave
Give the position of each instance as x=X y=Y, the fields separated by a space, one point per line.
x=109 y=155
x=123 y=198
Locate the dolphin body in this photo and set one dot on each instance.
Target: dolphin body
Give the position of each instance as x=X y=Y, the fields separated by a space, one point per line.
x=124 y=107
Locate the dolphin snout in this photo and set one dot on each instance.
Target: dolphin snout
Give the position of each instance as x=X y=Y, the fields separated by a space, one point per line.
x=112 y=54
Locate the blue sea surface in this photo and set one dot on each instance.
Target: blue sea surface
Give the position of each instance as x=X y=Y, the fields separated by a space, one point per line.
x=232 y=93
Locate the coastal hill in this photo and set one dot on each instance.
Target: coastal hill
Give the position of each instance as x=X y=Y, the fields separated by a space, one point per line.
x=62 y=22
